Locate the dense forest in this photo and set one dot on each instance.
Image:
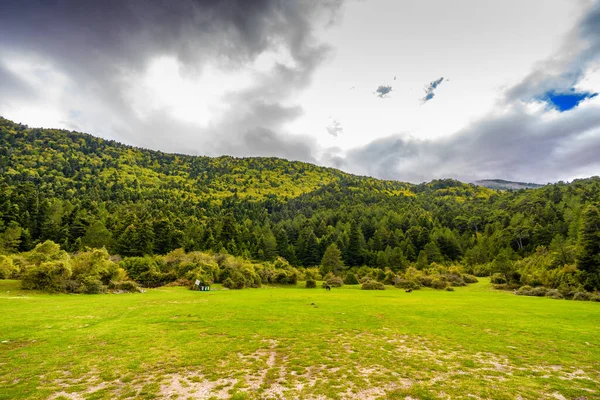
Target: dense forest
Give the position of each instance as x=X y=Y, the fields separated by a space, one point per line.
x=83 y=192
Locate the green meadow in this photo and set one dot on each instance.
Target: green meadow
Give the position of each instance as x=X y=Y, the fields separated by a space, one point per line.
x=293 y=342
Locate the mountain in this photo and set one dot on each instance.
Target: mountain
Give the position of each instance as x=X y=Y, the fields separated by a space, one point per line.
x=500 y=184
x=78 y=190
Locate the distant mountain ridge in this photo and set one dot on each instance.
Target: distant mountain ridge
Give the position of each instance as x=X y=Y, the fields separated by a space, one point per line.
x=501 y=184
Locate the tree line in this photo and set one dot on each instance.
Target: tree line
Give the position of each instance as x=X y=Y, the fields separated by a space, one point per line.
x=84 y=192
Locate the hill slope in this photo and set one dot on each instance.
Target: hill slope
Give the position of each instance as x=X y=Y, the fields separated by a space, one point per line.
x=78 y=190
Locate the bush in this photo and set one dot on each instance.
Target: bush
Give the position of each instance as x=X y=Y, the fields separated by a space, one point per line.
x=554 y=294
x=390 y=278
x=350 y=279
x=125 y=286
x=482 y=270
x=524 y=290
x=230 y=284
x=372 y=285
x=467 y=278
x=438 y=284
x=404 y=284
x=538 y=291
x=425 y=280
x=507 y=286
x=582 y=296
x=50 y=276
x=449 y=289
x=498 y=279
x=7 y=268
x=335 y=282
x=311 y=283
x=91 y=286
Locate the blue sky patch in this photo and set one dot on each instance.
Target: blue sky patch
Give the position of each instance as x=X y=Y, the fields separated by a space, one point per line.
x=564 y=101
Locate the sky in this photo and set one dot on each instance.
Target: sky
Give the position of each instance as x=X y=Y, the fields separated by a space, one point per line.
x=411 y=90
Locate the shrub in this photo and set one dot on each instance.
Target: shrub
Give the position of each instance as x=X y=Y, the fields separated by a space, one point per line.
x=230 y=284
x=438 y=284
x=470 y=278
x=372 y=285
x=425 y=280
x=50 y=276
x=7 y=268
x=449 y=289
x=390 y=278
x=125 y=286
x=524 y=291
x=507 y=286
x=91 y=285
x=538 y=291
x=582 y=296
x=482 y=270
x=311 y=283
x=455 y=279
x=404 y=284
x=554 y=294
x=595 y=297
x=350 y=279
x=498 y=279
x=140 y=268
x=235 y=281
x=335 y=282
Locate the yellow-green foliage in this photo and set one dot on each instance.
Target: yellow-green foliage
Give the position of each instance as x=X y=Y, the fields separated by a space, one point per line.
x=8 y=269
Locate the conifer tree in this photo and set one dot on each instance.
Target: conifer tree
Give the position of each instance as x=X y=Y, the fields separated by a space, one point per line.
x=588 y=257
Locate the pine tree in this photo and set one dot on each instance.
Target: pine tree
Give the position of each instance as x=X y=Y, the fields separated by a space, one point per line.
x=354 y=251
x=332 y=260
x=307 y=248
x=588 y=257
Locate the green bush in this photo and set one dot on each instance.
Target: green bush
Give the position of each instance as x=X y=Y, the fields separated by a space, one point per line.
x=554 y=294
x=350 y=279
x=498 y=279
x=372 y=285
x=538 y=291
x=524 y=290
x=92 y=286
x=50 y=276
x=335 y=281
x=425 y=280
x=467 y=278
x=582 y=296
x=482 y=270
x=311 y=283
x=125 y=286
x=439 y=284
x=449 y=289
x=404 y=284
x=7 y=268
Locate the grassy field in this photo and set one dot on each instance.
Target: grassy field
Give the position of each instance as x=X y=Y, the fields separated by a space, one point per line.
x=297 y=343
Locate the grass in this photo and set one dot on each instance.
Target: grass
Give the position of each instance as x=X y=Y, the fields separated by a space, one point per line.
x=297 y=343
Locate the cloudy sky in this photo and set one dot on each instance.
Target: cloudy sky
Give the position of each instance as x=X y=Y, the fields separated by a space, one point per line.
x=398 y=89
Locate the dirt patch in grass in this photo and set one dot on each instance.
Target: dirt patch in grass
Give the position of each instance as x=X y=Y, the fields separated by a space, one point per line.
x=379 y=366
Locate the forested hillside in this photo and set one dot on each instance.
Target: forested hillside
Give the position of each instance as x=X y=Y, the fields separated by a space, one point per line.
x=80 y=191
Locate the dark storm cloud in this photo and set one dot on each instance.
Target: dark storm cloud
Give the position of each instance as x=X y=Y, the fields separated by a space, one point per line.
x=12 y=86
x=564 y=70
x=383 y=91
x=516 y=145
x=430 y=89
x=100 y=45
